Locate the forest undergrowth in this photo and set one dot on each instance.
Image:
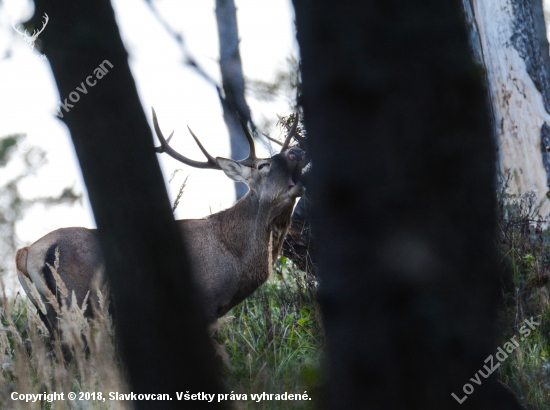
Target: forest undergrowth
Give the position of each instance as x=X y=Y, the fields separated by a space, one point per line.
x=271 y=343
x=524 y=243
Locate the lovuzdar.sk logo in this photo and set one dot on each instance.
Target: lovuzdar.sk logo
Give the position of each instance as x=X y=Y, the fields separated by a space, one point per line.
x=31 y=39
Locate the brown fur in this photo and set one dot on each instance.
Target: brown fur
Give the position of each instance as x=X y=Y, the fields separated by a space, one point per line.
x=228 y=250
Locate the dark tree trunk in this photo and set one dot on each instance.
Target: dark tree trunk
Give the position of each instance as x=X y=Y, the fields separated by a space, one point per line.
x=299 y=245
x=233 y=101
x=160 y=325
x=403 y=187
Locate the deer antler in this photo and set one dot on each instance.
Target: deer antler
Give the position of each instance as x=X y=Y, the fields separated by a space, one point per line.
x=30 y=40
x=302 y=142
x=23 y=34
x=211 y=162
x=252 y=149
x=36 y=33
x=291 y=133
x=272 y=139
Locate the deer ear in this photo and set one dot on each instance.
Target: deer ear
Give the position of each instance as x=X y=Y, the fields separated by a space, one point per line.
x=234 y=170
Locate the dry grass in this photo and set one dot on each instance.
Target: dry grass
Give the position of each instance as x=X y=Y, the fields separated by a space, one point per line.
x=32 y=362
x=272 y=342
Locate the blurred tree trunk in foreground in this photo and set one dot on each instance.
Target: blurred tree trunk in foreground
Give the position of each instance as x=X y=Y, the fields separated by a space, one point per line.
x=158 y=321
x=508 y=39
x=404 y=195
x=233 y=101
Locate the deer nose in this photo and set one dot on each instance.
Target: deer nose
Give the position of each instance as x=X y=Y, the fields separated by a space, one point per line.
x=296 y=154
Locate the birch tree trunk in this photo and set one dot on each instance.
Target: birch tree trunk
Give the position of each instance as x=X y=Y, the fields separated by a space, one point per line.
x=233 y=100
x=504 y=39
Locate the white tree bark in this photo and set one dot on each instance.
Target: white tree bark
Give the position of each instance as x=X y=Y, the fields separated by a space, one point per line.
x=503 y=37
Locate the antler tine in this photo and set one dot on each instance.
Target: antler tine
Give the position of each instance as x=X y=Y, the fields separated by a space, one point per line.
x=204 y=151
x=17 y=29
x=273 y=140
x=252 y=148
x=291 y=133
x=37 y=32
x=302 y=142
x=164 y=147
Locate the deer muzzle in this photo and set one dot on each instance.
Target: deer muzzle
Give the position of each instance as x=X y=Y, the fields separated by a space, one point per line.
x=296 y=154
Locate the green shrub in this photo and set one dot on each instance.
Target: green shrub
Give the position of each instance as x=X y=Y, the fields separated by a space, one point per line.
x=273 y=341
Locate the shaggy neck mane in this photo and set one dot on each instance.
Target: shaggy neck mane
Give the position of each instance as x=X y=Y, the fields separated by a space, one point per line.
x=244 y=230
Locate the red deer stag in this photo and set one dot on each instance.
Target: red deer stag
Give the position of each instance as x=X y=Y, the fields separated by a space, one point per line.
x=228 y=250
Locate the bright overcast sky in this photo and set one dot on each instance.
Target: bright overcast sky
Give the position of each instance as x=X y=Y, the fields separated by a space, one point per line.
x=29 y=98
x=180 y=96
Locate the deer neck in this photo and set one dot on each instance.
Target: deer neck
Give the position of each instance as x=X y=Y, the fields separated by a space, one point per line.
x=245 y=230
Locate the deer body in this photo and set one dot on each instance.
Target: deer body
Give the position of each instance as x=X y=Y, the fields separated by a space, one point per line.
x=232 y=260
x=229 y=251
x=80 y=261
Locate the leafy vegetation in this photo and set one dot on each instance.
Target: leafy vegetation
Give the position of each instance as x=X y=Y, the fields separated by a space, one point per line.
x=272 y=342
x=525 y=246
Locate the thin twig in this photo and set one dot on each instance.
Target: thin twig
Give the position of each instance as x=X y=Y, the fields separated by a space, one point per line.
x=180 y=193
x=189 y=60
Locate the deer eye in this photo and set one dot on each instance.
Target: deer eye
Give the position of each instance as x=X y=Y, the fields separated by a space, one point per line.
x=266 y=164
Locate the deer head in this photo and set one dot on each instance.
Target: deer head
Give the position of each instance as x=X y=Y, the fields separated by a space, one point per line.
x=271 y=180
x=30 y=40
